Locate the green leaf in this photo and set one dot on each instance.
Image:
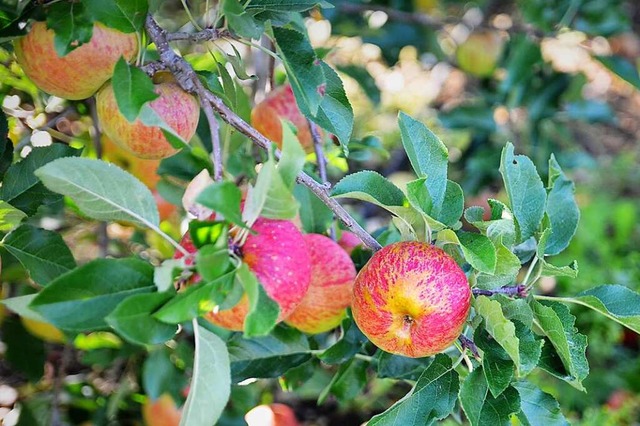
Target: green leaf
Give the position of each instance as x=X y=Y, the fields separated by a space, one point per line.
x=20 y=305
x=497 y=366
x=500 y=328
x=150 y=118
x=315 y=216
x=453 y=204
x=525 y=190
x=196 y=300
x=530 y=348
x=43 y=253
x=347 y=346
x=549 y=270
x=293 y=157
x=132 y=89
x=478 y=251
x=432 y=398
x=240 y=21
x=347 y=383
x=212 y=262
x=303 y=68
x=287 y=5
x=538 y=407
x=481 y=407
x=507 y=268
x=622 y=67
x=160 y=375
x=263 y=311
x=557 y=324
x=211 y=384
x=401 y=367
x=267 y=356
x=369 y=186
x=81 y=299
x=132 y=319
x=428 y=156
x=22 y=189
x=364 y=79
x=10 y=217
x=223 y=198
x=72 y=25
x=516 y=310
x=24 y=352
x=562 y=209
x=127 y=16
x=6 y=146
x=101 y=190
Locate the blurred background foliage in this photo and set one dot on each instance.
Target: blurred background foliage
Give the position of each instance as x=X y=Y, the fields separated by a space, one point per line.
x=552 y=76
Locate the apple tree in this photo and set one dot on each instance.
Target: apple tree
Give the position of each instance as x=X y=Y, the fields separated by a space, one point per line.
x=184 y=188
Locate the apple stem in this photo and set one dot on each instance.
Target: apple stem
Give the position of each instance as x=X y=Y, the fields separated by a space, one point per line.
x=519 y=290
x=189 y=81
x=322 y=166
x=468 y=344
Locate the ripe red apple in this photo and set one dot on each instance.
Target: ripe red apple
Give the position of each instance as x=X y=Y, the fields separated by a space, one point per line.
x=348 y=241
x=79 y=74
x=281 y=104
x=161 y=412
x=411 y=299
x=271 y=415
x=329 y=295
x=479 y=54
x=278 y=256
x=177 y=108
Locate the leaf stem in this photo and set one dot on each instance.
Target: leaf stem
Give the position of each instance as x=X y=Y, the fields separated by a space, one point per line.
x=529 y=271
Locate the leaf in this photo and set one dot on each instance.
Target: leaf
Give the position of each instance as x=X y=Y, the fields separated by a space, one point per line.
x=483 y=409
x=72 y=25
x=101 y=190
x=432 y=398
x=400 y=367
x=132 y=319
x=23 y=352
x=127 y=16
x=364 y=79
x=240 y=21
x=287 y=5
x=497 y=366
x=315 y=216
x=303 y=68
x=557 y=324
x=211 y=384
x=428 y=156
x=538 y=407
x=347 y=383
x=81 y=299
x=453 y=204
x=267 y=356
x=22 y=189
x=224 y=198
x=263 y=311
x=6 y=146
x=160 y=375
x=132 y=89
x=369 y=186
x=212 y=262
x=10 y=217
x=478 y=251
x=550 y=270
x=562 y=209
x=43 y=253
x=525 y=190
x=196 y=300
x=20 y=305
x=622 y=67
x=500 y=328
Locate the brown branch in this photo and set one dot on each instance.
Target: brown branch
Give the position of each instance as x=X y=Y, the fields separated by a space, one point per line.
x=153 y=67
x=207 y=34
x=214 y=127
x=188 y=80
x=322 y=164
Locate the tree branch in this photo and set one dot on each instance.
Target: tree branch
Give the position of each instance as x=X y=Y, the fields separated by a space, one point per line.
x=214 y=127
x=322 y=164
x=207 y=34
x=189 y=81
x=519 y=290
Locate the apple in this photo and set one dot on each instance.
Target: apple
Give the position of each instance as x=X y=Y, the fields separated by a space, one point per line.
x=329 y=295
x=271 y=415
x=79 y=74
x=411 y=299
x=161 y=412
x=479 y=54
x=281 y=104
x=176 y=107
x=349 y=241
x=278 y=256
x=144 y=170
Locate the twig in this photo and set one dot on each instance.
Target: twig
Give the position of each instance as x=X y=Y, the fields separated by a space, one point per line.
x=519 y=290
x=188 y=80
x=207 y=34
x=103 y=233
x=153 y=67
x=468 y=344
x=322 y=164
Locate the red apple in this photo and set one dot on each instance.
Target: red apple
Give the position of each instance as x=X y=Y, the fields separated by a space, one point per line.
x=348 y=241
x=278 y=256
x=79 y=74
x=177 y=108
x=271 y=415
x=411 y=299
x=161 y=412
x=332 y=275
x=281 y=104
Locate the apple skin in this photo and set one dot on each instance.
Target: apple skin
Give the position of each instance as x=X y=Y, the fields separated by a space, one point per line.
x=478 y=55
x=349 y=241
x=271 y=415
x=411 y=299
x=79 y=74
x=329 y=295
x=177 y=108
x=161 y=412
x=144 y=170
x=281 y=104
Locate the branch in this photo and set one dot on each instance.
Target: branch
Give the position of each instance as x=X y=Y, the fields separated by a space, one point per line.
x=519 y=290
x=153 y=67
x=188 y=80
x=214 y=127
x=322 y=163
x=207 y=34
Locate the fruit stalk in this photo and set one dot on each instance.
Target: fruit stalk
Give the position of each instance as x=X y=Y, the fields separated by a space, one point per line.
x=188 y=80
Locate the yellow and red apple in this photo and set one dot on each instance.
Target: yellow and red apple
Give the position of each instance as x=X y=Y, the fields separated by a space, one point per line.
x=411 y=299
x=80 y=73
x=271 y=415
x=349 y=241
x=329 y=295
x=177 y=108
x=280 y=104
x=161 y=412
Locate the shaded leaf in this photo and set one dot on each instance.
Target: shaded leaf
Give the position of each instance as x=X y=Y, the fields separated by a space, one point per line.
x=132 y=89
x=622 y=67
x=10 y=217
x=562 y=209
x=482 y=408
x=126 y=16
x=538 y=407
x=72 y=26
x=263 y=311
